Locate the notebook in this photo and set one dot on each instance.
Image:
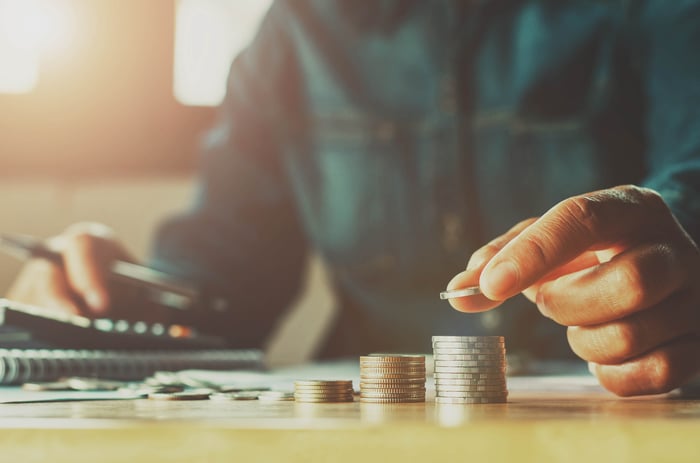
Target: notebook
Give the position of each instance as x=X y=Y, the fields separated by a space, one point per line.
x=18 y=366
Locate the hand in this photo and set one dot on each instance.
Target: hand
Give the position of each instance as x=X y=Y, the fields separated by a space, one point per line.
x=79 y=286
x=618 y=270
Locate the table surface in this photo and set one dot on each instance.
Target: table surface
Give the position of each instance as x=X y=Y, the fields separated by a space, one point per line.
x=539 y=423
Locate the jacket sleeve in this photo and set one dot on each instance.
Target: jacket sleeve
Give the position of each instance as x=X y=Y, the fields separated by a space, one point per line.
x=242 y=240
x=671 y=64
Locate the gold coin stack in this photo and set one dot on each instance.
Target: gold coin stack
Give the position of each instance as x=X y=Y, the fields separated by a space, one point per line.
x=470 y=369
x=321 y=391
x=392 y=378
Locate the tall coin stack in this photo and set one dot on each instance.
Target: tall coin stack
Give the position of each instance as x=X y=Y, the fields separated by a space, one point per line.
x=392 y=378
x=319 y=391
x=470 y=369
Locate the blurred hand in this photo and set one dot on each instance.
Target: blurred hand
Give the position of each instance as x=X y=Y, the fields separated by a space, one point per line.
x=617 y=269
x=79 y=286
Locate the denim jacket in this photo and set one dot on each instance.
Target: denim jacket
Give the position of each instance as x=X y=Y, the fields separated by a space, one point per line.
x=394 y=137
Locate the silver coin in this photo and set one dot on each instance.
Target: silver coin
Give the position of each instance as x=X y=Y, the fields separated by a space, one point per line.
x=469 y=363
x=464 y=292
x=457 y=370
x=470 y=382
x=482 y=351
x=480 y=374
x=488 y=339
x=94 y=384
x=234 y=396
x=471 y=394
x=194 y=394
x=475 y=342
x=471 y=388
x=275 y=396
x=47 y=386
x=471 y=357
x=470 y=400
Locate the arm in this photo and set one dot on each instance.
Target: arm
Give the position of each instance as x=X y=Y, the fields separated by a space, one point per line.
x=621 y=267
x=242 y=239
x=672 y=68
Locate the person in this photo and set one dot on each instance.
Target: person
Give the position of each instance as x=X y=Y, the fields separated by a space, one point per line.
x=395 y=137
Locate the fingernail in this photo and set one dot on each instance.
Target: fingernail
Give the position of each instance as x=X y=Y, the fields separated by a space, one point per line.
x=500 y=280
x=475 y=262
x=96 y=301
x=456 y=281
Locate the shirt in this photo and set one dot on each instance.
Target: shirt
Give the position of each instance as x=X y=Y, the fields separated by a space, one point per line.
x=395 y=137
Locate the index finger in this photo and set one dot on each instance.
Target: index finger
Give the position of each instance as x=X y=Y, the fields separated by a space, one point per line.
x=594 y=221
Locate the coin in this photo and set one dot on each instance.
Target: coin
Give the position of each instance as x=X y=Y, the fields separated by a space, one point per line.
x=312 y=400
x=471 y=393
x=469 y=351
x=470 y=382
x=409 y=380
x=323 y=383
x=481 y=369
x=462 y=339
x=453 y=293
x=403 y=387
x=234 y=396
x=469 y=363
x=470 y=388
x=194 y=394
x=470 y=357
x=389 y=400
x=393 y=357
x=470 y=400
x=275 y=396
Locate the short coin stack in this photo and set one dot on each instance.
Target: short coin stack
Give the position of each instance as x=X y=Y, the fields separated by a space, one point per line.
x=319 y=391
x=470 y=369
x=392 y=378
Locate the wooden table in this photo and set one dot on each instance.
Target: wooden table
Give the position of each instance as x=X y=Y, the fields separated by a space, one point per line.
x=535 y=426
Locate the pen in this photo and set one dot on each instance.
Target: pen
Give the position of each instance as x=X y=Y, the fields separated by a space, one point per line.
x=173 y=292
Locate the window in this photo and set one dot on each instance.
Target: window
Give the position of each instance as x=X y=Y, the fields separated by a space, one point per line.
x=29 y=29
x=208 y=35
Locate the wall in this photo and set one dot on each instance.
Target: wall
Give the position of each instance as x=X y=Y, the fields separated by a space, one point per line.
x=134 y=208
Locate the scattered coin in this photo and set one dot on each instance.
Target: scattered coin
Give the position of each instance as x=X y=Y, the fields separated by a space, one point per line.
x=276 y=396
x=234 y=396
x=193 y=394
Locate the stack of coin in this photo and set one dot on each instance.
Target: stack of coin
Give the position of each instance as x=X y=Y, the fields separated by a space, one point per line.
x=318 y=391
x=470 y=369
x=392 y=378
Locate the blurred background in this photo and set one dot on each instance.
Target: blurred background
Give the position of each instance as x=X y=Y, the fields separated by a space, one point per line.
x=102 y=105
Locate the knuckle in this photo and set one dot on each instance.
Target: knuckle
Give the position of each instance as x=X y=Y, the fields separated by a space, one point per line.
x=535 y=249
x=633 y=288
x=625 y=342
x=584 y=210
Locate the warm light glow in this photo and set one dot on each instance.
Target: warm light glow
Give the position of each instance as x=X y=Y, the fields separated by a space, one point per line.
x=208 y=35
x=28 y=29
